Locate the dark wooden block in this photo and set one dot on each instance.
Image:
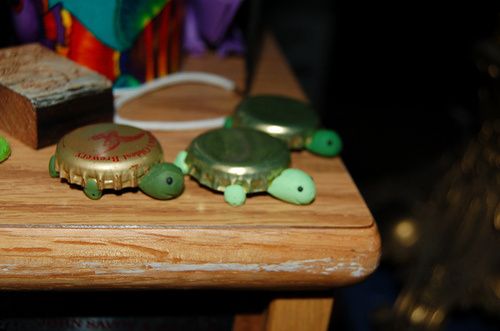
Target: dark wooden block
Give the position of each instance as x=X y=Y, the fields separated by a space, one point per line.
x=44 y=95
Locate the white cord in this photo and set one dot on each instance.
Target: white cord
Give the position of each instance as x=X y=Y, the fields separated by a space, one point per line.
x=124 y=95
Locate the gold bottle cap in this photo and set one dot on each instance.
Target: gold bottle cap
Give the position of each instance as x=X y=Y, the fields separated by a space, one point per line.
x=246 y=157
x=115 y=155
x=285 y=118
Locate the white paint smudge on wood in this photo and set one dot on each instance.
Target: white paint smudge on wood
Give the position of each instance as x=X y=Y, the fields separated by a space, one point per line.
x=321 y=266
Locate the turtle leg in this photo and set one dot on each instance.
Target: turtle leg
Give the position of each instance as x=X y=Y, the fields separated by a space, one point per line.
x=91 y=189
x=180 y=162
x=52 y=167
x=235 y=195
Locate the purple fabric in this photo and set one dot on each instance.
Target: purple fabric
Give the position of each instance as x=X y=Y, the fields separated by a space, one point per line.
x=56 y=11
x=209 y=22
x=26 y=21
x=232 y=44
x=214 y=17
x=193 y=42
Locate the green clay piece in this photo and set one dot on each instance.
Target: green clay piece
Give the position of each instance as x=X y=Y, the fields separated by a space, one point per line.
x=52 y=167
x=290 y=120
x=325 y=143
x=228 y=122
x=126 y=81
x=163 y=181
x=4 y=149
x=235 y=195
x=91 y=190
x=112 y=156
x=240 y=161
x=180 y=162
x=294 y=186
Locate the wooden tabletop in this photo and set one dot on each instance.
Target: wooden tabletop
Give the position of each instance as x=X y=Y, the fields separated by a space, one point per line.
x=52 y=236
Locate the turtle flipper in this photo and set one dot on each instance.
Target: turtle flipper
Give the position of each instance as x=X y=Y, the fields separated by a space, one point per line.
x=180 y=161
x=52 y=167
x=235 y=195
x=92 y=190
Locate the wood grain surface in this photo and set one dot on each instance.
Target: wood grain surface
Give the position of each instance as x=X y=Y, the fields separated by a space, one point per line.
x=52 y=236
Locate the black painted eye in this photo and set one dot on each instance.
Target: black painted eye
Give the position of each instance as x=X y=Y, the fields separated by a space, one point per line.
x=329 y=142
x=169 y=180
x=300 y=189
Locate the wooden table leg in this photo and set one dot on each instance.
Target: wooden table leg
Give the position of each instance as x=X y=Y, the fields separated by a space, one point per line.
x=299 y=314
x=286 y=314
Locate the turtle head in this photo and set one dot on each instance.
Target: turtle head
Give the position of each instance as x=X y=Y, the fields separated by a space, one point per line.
x=325 y=143
x=294 y=186
x=163 y=181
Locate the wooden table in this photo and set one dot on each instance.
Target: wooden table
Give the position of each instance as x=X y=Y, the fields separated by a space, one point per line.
x=53 y=237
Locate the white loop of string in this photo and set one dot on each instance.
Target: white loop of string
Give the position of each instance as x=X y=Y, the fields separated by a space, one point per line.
x=124 y=95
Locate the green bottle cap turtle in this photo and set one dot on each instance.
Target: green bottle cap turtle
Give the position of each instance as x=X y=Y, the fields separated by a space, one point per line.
x=112 y=156
x=239 y=161
x=4 y=149
x=293 y=121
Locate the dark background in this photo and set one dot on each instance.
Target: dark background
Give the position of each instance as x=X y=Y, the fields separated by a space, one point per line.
x=399 y=82
x=397 y=79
